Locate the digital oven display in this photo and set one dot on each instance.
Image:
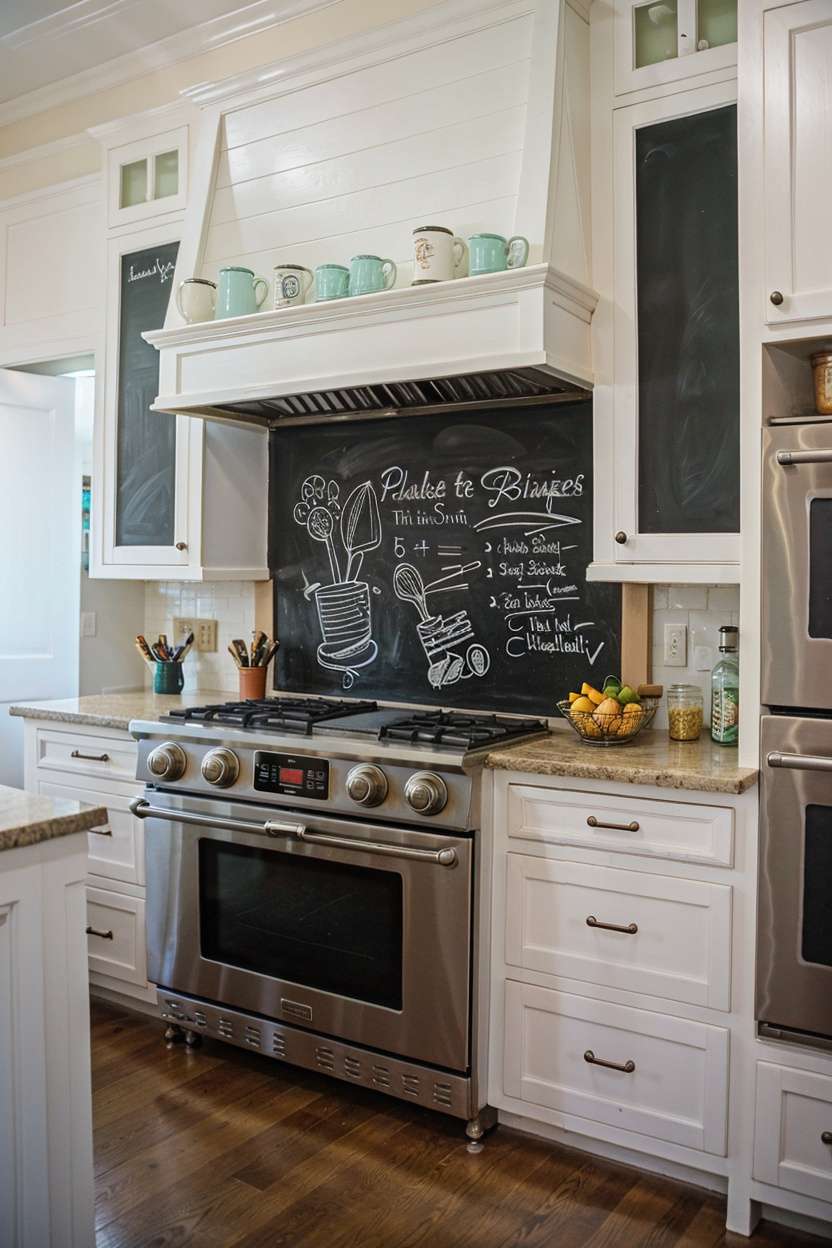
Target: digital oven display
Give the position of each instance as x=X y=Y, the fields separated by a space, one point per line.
x=291 y=774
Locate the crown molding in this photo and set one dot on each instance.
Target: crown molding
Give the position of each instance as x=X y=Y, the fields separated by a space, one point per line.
x=249 y=19
x=43 y=151
x=68 y=21
x=441 y=23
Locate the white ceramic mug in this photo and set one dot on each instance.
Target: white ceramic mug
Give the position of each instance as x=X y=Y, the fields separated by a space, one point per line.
x=438 y=256
x=291 y=285
x=196 y=299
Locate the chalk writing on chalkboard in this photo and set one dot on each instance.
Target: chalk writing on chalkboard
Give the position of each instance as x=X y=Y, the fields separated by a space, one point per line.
x=440 y=559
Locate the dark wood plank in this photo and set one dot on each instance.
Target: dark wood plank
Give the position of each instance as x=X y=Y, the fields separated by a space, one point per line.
x=221 y=1148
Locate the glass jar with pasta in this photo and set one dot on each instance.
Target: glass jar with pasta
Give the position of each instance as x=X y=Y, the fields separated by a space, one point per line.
x=684 y=712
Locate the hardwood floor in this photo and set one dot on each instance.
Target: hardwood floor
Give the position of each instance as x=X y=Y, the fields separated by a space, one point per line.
x=220 y=1147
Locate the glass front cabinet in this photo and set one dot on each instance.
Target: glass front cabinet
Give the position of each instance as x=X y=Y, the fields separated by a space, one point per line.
x=663 y=41
x=668 y=444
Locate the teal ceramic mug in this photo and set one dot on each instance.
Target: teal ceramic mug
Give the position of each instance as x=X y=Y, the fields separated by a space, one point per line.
x=491 y=253
x=239 y=292
x=168 y=678
x=370 y=273
x=331 y=282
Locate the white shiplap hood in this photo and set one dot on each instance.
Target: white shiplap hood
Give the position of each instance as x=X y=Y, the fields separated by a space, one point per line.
x=472 y=115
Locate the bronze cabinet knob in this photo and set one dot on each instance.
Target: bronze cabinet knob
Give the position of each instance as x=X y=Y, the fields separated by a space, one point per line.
x=776 y=297
x=621 y=537
x=181 y=545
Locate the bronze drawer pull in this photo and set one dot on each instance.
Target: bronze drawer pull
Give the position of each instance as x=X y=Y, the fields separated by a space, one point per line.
x=101 y=831
x=626 y=1068
x=592 y=822
x=93 y=931
x=630 y=929
x=826 y=1137
x=91 y=758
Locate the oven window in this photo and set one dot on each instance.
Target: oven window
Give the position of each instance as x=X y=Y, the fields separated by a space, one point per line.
x=820 y=567
x=316 y=923
x=817 y=894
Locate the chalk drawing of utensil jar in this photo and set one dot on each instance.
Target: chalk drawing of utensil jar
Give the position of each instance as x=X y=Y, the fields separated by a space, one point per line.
x=346 y=627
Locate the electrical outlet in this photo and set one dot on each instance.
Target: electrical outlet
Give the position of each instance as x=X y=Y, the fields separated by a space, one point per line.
x=675 y=645
x=89 y=623
x=206 y=636
x=204 y=631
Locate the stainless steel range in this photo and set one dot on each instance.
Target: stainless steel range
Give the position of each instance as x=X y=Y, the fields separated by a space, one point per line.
x=314 y=887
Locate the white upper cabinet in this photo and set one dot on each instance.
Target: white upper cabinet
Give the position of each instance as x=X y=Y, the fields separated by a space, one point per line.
x=798 y=171
x=663 y=41
x=667 y=430
x=171 y=498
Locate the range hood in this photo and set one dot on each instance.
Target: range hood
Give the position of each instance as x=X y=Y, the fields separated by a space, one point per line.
x=491 y=101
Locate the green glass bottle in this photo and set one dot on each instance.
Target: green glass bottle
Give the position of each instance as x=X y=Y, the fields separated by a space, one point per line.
x=725 y=689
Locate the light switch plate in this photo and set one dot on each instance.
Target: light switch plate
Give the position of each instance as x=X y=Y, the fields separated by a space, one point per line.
x=204 y=631
x=675 y=645
x=89 y=623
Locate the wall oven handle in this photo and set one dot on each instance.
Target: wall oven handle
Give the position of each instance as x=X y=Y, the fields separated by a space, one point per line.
x=442 y=857
x=142 y=809
x=787 y=458
x=799 y=762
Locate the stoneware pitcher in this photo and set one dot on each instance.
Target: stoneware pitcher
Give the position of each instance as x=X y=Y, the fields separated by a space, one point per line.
x=491 y=253
x=196 y=299
x=370 y=273
x=291 y=285
x=237 y=293
x=437 y=255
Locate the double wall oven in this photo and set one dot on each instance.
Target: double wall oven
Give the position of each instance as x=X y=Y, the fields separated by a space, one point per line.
x=794 y=953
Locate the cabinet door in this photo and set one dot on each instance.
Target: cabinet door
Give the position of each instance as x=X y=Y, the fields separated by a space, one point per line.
x=659 y=41
x=673 y=469
x=798 y=174
x=149 y=463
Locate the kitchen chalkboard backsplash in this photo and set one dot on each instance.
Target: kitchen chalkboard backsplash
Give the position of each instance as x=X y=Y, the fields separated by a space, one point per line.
x=440 y=559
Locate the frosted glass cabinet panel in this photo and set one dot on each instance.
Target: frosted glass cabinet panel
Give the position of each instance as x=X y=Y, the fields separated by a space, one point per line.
x=667 y=40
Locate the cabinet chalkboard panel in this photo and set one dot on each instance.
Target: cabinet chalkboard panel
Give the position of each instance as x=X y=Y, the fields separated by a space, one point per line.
x=146 y=442
x=440 y=559
x=688 y=324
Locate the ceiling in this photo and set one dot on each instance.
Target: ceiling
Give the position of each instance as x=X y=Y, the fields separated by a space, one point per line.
x=43 y=42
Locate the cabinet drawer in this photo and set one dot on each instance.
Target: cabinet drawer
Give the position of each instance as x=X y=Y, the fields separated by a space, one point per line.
x=680 y=948
x=682 y=831
x=675 y=1079
x=794 y=1111
x=116 y=851
x=111 y=757
x=117 y=943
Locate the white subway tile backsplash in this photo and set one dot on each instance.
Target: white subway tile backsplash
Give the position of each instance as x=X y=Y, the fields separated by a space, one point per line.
x=230 y=603
x=702 y=608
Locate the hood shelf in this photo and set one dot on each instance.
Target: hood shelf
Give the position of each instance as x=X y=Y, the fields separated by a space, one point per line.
x=498 y=339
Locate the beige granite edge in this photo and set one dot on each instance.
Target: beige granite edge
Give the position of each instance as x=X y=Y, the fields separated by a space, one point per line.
x=35 y=829
x=72 y=717
x=629 y=773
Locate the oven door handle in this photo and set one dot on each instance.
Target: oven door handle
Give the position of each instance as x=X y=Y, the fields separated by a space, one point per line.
x=788 y=458
x=799 y=762
x=142 y=809
x=441 y=857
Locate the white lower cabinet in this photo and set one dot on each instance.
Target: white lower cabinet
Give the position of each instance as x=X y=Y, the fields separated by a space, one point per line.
x=115 y=928
x=653 y=934
x=633 y=1069
x=98 y=767
x=793 y=1130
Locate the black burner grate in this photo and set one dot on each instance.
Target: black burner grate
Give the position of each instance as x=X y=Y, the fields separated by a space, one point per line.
x=298 y=715
x=453 y=728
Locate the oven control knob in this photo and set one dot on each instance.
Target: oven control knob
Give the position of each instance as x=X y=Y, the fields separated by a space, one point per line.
x=167 y=761
x=426 y=793
x=220 y=767
x=367 y=785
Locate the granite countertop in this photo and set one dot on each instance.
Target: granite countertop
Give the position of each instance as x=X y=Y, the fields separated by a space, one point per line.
x=27 y=819
x=115 y=710
x=651 y=759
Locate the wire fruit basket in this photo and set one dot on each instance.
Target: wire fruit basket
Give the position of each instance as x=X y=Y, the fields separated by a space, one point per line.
x=598 y=728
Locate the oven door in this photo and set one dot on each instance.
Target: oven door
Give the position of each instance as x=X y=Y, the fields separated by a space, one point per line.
x=360 y=932
x=794 y=922
x=797 y=566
